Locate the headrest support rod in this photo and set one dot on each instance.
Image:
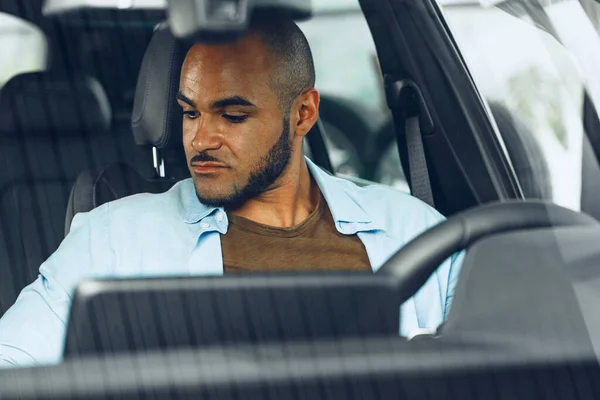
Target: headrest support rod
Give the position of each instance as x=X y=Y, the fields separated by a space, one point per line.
x=159 y=163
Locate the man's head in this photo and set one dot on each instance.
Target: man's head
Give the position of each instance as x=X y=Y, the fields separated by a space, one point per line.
x=247 y=105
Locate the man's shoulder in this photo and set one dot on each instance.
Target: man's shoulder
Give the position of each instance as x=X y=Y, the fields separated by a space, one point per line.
x=375 y=195
x=144 y=205
x=380 y=193
x=396 y=211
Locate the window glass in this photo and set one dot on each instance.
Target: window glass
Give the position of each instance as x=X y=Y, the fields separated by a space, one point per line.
x=534 y=86
x=353 y=105
x=324 y=6
x=17 y=35
x=389 y=170
x=344 y=55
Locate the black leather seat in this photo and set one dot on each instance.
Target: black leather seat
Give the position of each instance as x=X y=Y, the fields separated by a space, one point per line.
x=52 y=127
x=156 y=126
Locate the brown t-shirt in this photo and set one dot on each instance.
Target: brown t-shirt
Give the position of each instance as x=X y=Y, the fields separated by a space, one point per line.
x=314 y=245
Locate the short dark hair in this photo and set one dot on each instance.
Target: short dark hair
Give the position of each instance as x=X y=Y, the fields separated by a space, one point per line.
x=295 y=69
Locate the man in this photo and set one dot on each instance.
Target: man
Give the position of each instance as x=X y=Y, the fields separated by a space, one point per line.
x=253 y=202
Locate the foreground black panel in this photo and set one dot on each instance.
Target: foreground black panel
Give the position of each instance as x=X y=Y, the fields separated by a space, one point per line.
x=343 y=370
x=115 y=316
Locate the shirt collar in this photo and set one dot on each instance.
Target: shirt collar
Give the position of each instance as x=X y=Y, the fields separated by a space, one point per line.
x=340 y=196
x=194 y=210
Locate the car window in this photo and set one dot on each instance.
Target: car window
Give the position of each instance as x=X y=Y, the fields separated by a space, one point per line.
x=16 y=35
x=353 y=104
x=344 y=55
x=534 y=88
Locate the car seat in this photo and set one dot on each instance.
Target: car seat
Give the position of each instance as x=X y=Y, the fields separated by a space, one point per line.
x=52 y=127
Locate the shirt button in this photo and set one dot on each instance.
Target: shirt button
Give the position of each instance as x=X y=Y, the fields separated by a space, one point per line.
x=203 y=225
x=220 y=217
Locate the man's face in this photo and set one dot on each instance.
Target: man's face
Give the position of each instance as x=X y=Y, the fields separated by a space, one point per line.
x=236 y=137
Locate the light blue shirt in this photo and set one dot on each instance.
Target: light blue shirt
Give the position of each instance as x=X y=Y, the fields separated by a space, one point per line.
x=173 y=234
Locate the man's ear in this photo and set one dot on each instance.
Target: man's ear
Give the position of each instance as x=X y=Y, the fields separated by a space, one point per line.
x=307 y=111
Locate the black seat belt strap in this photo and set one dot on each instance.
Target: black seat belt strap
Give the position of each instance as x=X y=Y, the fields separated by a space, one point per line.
x=419 y=173
x=406 y=102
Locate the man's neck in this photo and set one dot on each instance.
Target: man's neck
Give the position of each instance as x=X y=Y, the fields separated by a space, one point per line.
x=293 y=198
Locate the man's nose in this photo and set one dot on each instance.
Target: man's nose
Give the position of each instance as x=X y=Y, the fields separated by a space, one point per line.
x=206 y=137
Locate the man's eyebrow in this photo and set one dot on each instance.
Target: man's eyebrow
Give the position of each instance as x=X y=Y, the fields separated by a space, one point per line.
x=182 y=97
x=231 y=101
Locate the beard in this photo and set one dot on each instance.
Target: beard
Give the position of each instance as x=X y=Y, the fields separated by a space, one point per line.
x=263 y=175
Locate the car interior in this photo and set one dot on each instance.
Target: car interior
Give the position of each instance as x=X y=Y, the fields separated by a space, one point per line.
x=117 y=154
x=100 y=122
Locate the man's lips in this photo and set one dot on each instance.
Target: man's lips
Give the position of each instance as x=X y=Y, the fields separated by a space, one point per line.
x=208 y=167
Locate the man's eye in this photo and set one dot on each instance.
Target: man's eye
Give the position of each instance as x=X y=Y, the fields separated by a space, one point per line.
x=191 y=114
x=236 y=119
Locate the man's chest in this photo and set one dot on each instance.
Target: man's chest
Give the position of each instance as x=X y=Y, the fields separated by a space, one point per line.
x=312 y=245
x=250 y=252
x=210 y=252
x=164 y=249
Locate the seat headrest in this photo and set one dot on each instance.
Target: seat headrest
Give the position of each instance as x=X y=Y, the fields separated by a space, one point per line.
x=39 y=104
x=156 y=117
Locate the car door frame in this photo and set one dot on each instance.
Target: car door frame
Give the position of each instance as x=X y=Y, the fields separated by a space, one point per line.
x=464 y=152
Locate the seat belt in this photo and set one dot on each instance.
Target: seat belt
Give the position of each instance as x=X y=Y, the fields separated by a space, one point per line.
x=417 y=163
x=406 y=102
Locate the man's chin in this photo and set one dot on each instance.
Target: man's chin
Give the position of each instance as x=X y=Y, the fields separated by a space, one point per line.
x=227 y=201
x=211 y=200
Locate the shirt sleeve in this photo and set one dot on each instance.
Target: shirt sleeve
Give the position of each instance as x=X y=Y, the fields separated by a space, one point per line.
x=430 y=306
x=32 y=331
x=454 y=270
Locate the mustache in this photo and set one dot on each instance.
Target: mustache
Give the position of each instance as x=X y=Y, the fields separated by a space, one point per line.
x=203 y=157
